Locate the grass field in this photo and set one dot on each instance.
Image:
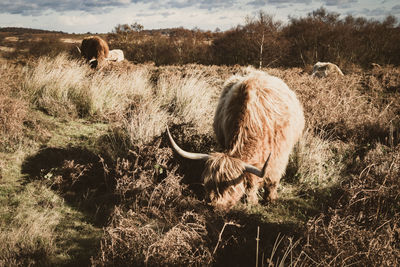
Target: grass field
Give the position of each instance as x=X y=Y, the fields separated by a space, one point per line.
x=88 y=176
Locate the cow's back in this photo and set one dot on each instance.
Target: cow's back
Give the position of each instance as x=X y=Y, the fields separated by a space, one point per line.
x=258 y=114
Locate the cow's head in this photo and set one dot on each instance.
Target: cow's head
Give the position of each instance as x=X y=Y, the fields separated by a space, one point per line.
x=223 y=175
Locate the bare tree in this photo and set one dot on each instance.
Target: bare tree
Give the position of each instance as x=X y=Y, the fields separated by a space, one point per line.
x=263 y=29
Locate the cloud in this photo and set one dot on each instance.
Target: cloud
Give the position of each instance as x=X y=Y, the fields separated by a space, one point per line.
x=39 y=7
x=145 y=14
x=396 y=9
x=279 y=3
x=77 y=20
x=167 y=14
x=211 y=4
x=376 y=12
x=202 y=4
x=340 y=3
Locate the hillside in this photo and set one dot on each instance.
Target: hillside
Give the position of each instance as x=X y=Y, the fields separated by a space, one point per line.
x=20 y=30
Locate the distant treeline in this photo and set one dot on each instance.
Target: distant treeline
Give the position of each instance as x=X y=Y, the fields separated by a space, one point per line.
x=262 y=40
x=20 y=30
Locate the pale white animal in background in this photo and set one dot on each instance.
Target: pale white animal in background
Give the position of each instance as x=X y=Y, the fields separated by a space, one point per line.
x=116 y=55
x=325 y=69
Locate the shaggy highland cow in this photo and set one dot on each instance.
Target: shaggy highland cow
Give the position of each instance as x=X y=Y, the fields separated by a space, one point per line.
x=94 y=50
x=258 y=121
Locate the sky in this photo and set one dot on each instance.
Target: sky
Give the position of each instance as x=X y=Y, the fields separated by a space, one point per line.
x=101 y=16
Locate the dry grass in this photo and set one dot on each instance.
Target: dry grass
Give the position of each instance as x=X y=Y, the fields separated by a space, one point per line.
x=314 y=162
x=191 y=98
x=131 y=100
x=13 y=109
x=13 y=113
x=346 y=167
x=155 y=222
x=69 y=88
x=363 y=228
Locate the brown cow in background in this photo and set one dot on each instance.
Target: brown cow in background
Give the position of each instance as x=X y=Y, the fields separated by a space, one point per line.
x=258 y=121
x=94 y=50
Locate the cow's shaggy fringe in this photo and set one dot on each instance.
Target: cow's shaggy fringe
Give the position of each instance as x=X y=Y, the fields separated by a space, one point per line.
x=223 y=178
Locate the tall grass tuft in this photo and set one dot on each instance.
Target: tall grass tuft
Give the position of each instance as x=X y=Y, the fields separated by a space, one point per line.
x=56 y=85
x=314 y=162
x=191 y=99
x=145 y=121
x=131 y=100
x=69 y=88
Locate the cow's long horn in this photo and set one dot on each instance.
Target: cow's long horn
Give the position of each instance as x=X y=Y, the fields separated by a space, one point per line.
x=79 y=50
x=185 y=154
x=256 y=171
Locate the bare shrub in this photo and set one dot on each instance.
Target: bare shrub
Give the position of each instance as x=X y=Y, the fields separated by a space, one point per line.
x=125 y=240
x=183 y=244
x=69 y=173
x=51 y=45
x=389 y=78
x=342 y=107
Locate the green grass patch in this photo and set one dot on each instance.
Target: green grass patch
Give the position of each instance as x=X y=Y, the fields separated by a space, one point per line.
x=37 y=225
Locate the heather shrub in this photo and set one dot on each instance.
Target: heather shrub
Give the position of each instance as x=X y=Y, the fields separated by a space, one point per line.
x=155 y=222
x=363 y=227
